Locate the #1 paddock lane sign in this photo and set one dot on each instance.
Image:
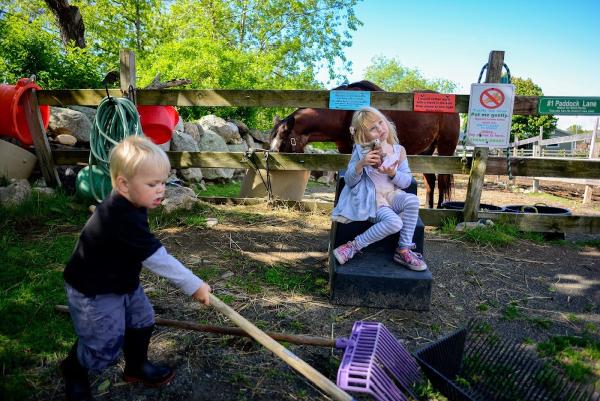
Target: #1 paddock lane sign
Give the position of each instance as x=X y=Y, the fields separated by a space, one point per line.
x=569 y=105
x=490 y=115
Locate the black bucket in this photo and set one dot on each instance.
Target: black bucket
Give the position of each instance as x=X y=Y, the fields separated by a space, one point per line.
x=483 y=207
x=538 y=209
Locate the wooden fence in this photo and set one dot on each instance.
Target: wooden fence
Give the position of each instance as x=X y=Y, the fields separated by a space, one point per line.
x=477 y=167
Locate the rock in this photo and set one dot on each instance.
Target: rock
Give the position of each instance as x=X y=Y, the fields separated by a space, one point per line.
x=469 y=225
x=249 y=141
x=66 y=139
x=213 y=142
x=15 y=193
x=75 y=121
x=89 y=112
x=327 y=178
x=261 y=136
x=179 y=198
x=211 y=221
x=241 y=126
x=194 y=130
x=44 y=190
x=183 y=142
x=240 y=147
x=228 y=131
x=179 y=125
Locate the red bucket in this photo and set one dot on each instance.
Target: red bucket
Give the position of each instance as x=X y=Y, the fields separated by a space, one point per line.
x=12 y=114
x=158 y=122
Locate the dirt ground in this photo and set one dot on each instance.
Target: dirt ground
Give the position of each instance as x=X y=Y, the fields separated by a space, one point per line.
x=527 y=291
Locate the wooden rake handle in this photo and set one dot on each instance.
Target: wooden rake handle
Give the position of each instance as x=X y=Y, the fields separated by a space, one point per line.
x=286 y=355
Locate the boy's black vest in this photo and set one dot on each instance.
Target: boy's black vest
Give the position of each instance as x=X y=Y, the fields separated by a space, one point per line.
x=114 y=242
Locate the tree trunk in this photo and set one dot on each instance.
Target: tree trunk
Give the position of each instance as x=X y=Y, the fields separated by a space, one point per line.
x=69 y=20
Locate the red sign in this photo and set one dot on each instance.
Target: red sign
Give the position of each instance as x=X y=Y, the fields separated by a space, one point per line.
x=434 y=102
x=492 y=98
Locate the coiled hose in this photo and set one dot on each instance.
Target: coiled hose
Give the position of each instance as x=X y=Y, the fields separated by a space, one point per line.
x=116 y=119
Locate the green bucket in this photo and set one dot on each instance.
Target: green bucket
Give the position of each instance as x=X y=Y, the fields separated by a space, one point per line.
x=100 y=184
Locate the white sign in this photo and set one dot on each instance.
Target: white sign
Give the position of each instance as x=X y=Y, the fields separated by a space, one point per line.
x=490 y=114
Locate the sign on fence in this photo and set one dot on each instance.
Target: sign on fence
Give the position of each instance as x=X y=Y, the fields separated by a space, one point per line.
x=434 y=102
x=490 y=114
x=349 y=100
x=569 y=105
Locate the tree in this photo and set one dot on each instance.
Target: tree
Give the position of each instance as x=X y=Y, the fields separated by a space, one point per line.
x=577 y=129
x=70 y=22
x=29 y=46
x=529 y=126
x=392 y=76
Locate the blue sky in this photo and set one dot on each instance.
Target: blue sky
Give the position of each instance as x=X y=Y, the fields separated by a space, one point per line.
x=555 y=43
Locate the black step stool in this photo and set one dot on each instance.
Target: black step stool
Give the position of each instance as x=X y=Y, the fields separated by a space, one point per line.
x=372 y=278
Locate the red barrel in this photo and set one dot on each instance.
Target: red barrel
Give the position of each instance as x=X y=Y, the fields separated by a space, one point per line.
x=158 y=122
x=12 y=113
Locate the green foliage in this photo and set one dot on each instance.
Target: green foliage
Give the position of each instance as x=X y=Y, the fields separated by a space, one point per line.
x=31 y=48
x=529 y=126
x=577 y=129
x=391 y=75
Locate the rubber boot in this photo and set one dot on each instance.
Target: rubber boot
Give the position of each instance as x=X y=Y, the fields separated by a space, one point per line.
x=137 y=366
x=77 y=384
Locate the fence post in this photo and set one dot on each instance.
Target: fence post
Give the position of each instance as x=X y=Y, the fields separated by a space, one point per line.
x=40 y=140
x=587 y=195
x=480 y=155
x=537 y=152
x=127 y=72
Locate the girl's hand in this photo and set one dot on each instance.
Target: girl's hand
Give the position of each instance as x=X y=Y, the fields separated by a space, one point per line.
x=373 y=158
x=391 y=170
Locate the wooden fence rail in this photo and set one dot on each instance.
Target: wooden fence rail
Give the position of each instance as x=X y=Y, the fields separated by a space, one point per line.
x=524 y=105
x=521 y=166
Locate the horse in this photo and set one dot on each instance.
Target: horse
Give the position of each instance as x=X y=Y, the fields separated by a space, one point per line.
x=420 y=133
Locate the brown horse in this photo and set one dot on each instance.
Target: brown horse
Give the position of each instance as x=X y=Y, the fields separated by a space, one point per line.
x=420 y=133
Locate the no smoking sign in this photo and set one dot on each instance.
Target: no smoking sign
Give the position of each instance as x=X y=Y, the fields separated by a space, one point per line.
x=492 y=98
x=490 y=114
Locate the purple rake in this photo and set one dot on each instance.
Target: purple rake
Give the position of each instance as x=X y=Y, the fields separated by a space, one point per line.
x=376 y=363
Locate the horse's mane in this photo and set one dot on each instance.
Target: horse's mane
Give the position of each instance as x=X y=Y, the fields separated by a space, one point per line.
x=360 y=85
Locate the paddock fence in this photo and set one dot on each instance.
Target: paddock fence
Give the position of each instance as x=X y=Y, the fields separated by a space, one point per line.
x=476 y=166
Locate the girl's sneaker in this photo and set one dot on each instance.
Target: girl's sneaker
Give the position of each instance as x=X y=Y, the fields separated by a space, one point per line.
x=412 y=260
x=344 y=253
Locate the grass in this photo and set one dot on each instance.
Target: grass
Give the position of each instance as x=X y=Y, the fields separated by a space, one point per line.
x=577 y=356
x=36 y=239
x=499 y=234
x=228 y=190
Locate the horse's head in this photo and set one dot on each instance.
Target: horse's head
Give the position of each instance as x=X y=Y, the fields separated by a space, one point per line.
x=283 y=138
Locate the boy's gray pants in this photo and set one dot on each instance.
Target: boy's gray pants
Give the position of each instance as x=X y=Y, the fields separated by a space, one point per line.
x=100 y=323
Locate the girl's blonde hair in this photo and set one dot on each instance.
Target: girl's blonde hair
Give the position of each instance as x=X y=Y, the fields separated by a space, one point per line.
x=132 y=153
x=360 y=125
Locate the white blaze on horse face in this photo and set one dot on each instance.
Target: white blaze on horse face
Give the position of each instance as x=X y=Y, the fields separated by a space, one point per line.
x=275 y=144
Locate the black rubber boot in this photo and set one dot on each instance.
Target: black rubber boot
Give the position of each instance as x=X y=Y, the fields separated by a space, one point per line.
x=77 y=385
x=137 y=366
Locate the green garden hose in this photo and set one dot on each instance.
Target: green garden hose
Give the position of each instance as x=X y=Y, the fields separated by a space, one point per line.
x=116 y=119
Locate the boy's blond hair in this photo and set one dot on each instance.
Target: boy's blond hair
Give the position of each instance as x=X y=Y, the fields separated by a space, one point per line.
x=360 y=121
x=132 y=153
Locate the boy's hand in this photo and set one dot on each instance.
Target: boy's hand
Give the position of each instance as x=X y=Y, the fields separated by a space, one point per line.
x=201 y=294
